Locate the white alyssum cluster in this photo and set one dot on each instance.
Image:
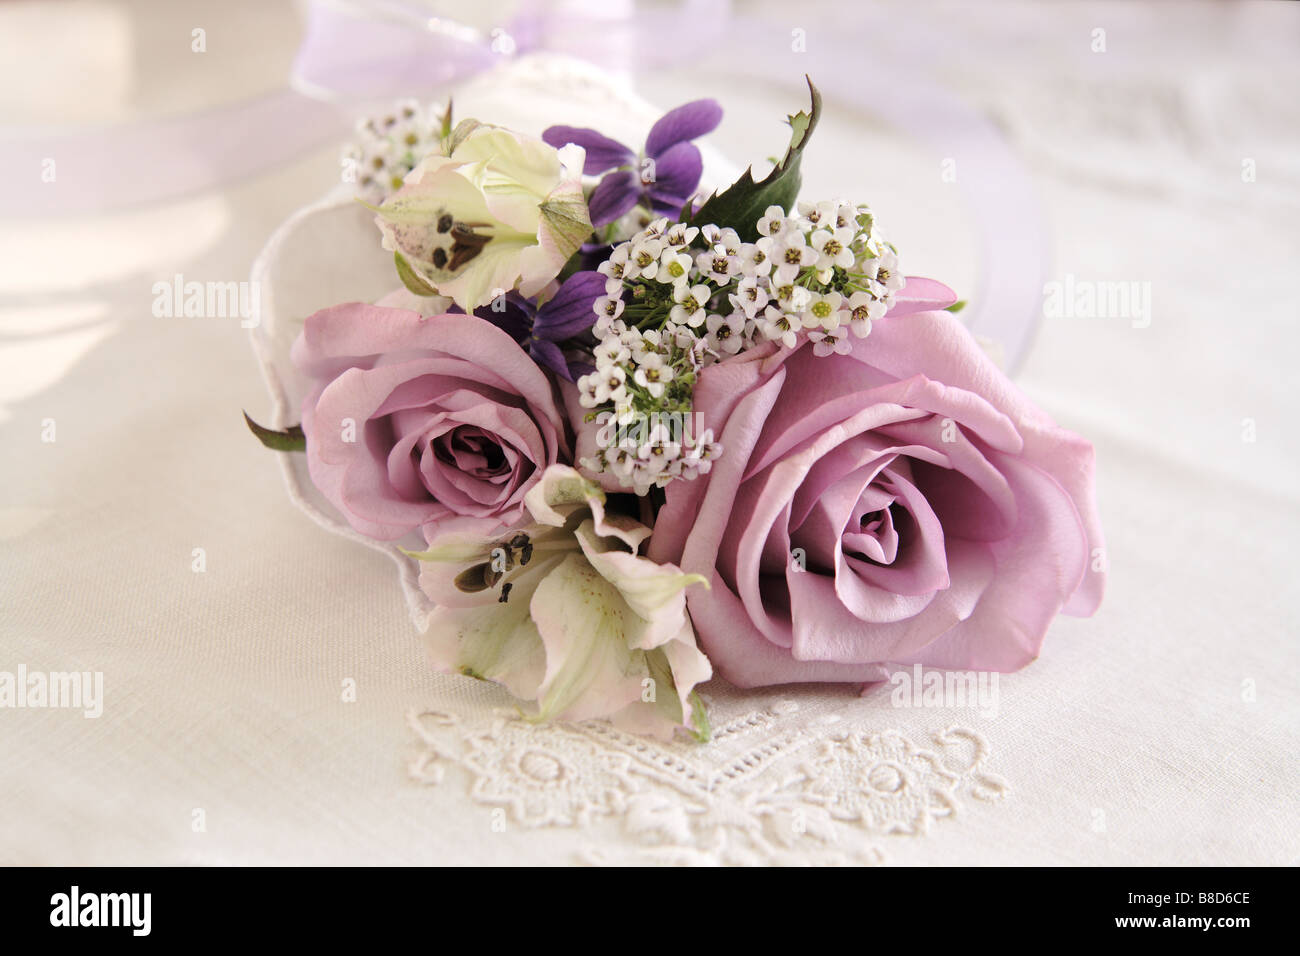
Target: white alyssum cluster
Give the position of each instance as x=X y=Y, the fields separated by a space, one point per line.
x=642 y=387
x=831 y=274
x=679 y=297
x=388 y=146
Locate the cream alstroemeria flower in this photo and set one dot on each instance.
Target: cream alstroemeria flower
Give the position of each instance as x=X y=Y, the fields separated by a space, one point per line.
x=565 y=613
x=495 y=212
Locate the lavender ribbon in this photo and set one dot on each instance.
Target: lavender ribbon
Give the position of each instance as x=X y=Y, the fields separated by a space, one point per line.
x=359 y=53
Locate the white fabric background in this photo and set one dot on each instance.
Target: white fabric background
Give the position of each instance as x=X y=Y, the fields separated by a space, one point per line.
x=1131 y=741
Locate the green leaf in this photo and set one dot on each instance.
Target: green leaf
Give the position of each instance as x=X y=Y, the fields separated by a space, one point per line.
x=700 y=719
x=291 y=439
x=446 y=120
x=742 y=204
x=409 y=279
x=956 y=306
x=670 y=704
x=661 y=673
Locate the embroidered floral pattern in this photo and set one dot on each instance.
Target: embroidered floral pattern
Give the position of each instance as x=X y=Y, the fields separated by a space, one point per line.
x=776 y=785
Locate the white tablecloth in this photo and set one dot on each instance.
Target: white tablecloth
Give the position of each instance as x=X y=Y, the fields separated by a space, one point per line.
x=1163 y=730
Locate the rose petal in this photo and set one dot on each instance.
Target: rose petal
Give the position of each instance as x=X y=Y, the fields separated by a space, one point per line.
x=386 y=376
x=921 y=295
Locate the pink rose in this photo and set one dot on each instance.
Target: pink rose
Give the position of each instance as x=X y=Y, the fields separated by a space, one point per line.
x=414 y=421
x=900 y=504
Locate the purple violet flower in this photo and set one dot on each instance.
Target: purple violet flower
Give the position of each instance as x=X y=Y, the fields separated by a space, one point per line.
x=541 y=329
x=662 y=178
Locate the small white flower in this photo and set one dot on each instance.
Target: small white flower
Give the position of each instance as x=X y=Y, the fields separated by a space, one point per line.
x=614 y=268
x=825 y=311
x=621 y=463
x=716 y=266
x=792 y=255
x=797 y=298
x=655 y=228
x=608 y=307
x=674 y=267
x=829 y=341
x=864 y=308
x=777 y=326
x=611 y=385
x=750 y=296
x=866 y=263
x=607 y=327
x=691 y=300
x=611 y=351
x=643 y=259
x=652 y=341
x=639 y=345
x=728 y=238
x=587 y=390
x=886 y=272
x=756 y=257
x=649 y=352
x=652 y=374
x=846 y=215
x=812 y=215
x=680 y=234
x=834 y=248
x=659 y=451
x=679 y=335
x=624 y=413
x=773 y=222
x=700 y=456
x=723 y=335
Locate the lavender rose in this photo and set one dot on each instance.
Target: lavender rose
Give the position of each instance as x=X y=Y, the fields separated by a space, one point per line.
x=903 y=503
x=414 y=421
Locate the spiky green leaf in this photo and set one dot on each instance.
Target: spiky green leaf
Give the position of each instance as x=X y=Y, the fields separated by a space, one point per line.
x=743 y=203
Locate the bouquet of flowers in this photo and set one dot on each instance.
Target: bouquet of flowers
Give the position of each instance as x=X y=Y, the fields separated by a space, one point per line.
x=638 y=434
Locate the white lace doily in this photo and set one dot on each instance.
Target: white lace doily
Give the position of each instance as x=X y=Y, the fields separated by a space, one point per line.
x=809 y=777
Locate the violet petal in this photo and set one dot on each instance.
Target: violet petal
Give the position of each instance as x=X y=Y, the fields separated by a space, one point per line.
x=684 y=123
x=570 y=312
x=677 y=173
x=548 y=356
x=602 y=152
x=516 y=319
x=613 y=196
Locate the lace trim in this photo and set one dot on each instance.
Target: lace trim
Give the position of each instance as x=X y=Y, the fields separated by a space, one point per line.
x=769 y=789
